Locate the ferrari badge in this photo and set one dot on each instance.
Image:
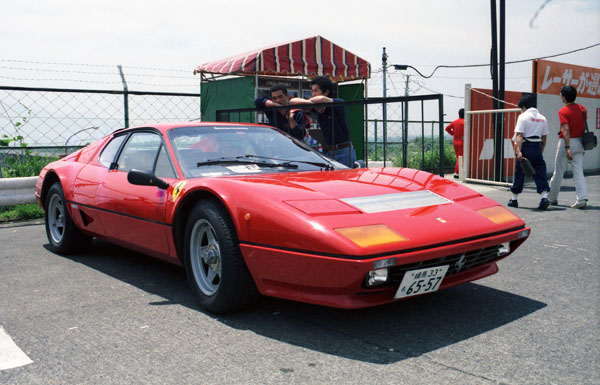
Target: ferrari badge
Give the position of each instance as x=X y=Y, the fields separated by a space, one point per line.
x=177 y=190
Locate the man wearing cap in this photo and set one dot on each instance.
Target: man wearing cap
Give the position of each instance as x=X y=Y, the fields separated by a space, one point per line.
x=570 y=147
x=530 y=139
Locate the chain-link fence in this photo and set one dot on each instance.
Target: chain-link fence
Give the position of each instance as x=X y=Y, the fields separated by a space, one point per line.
x=40 y=124
x=50 y=122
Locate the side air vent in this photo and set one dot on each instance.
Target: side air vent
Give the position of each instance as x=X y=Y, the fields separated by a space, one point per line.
x=85 y=218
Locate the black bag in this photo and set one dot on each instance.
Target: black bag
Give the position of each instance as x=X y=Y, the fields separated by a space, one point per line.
x=527 y=167
x=588 y=140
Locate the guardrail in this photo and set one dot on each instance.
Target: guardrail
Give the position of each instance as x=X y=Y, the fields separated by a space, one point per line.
x=17 y=191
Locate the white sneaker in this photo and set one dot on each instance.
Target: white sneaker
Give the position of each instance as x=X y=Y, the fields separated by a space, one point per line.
x=579 y=204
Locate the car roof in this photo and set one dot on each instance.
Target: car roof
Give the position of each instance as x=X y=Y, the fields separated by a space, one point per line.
x=163 y=127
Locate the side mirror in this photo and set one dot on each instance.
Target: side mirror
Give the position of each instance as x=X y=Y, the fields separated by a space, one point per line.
x=143 y=178
x=359 y=164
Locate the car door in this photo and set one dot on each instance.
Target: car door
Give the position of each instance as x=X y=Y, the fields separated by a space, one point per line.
x=83 y=210
x=135 y=215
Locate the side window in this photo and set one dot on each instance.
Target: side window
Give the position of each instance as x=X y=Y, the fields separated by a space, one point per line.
x=139 y=152
x=109 y=152
x=163 y=165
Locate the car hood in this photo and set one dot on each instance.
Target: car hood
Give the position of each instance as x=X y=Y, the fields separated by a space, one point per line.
x=305 y=210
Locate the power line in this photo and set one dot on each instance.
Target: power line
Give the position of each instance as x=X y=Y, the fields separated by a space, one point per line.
x=91 y=65
x=487 y=64
x=191 y=76
x=479 y=77
x=491 y=97
x=98 y=81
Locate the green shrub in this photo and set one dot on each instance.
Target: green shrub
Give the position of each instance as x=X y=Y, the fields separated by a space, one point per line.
x=425 y=155
x=25 y=165
x=22 y=162
x=21 y=212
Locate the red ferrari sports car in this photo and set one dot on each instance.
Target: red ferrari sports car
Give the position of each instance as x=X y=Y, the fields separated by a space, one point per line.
x=247 y=210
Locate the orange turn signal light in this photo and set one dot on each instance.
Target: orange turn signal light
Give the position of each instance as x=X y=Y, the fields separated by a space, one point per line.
x=498 y=214
x=371 y=235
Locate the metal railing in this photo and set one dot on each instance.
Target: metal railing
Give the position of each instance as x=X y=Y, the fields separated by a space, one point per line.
x=16 y=191
x=480 y=145
x=399 y=145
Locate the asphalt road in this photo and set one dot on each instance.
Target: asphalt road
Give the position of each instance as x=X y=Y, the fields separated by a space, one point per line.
x=111 y=316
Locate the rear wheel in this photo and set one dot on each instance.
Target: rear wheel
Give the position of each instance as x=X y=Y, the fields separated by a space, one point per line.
x=63 y=235
x=215 y=268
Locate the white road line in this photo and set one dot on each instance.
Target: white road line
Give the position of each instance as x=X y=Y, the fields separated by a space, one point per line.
x=10 y=354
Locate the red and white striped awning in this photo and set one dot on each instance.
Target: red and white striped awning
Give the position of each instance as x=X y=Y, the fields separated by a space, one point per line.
x=315 y=56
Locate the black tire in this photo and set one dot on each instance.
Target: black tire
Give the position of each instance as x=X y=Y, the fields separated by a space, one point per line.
x=214 y=265
x=64 y=237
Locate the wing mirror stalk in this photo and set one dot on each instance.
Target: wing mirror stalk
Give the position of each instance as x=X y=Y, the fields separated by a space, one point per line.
x=359 y=164
x=143 y=178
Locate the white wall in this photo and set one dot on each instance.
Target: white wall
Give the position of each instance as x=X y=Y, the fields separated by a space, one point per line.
x=549 y=105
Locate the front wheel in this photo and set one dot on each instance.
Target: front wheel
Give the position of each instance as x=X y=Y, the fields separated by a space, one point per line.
x=214 y=265
x=63 y=235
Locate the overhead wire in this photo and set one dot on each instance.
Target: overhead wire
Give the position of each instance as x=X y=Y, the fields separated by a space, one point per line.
x=99 y=81
x=93 y=72
x=487 y=64
x=91 y=65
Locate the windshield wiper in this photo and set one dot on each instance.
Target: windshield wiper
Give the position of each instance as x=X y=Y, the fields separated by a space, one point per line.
x=326 y=166
x=241 y=160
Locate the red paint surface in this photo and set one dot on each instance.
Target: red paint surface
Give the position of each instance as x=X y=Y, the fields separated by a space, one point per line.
x=290 y=244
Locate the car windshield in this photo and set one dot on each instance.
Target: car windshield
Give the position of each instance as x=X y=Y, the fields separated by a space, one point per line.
x=220 y=150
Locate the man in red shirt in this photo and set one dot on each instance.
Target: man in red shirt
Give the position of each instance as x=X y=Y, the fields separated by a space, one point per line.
x=457 y=129
x=570 y=147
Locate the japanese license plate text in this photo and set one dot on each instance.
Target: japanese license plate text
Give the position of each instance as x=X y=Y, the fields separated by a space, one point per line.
x=421 y=281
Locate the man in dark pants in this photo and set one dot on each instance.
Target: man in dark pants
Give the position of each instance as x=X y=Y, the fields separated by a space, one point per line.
x=291 y=122
x=530 y=139
x=332 y=122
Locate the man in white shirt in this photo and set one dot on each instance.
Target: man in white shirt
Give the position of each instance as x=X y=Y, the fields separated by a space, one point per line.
x=530 y=139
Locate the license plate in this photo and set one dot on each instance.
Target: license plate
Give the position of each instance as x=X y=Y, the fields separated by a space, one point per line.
x=421 y=281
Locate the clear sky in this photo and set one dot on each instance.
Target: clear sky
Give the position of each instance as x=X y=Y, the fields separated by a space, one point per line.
x=181 y=34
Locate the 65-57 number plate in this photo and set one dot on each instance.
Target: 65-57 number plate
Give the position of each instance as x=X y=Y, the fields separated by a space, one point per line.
x=421 y=281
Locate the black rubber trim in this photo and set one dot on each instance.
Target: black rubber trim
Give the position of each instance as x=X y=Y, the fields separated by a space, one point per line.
x=122 y=214
x=373 y=256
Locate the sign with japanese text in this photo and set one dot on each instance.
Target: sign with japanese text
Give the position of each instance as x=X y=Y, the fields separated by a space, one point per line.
x=549 y=77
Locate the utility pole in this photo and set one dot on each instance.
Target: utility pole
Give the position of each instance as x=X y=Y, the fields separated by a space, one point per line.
x=498 y=121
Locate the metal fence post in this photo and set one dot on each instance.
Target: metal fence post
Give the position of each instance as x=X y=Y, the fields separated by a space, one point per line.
x=375 y=121
x=125 y=96
x=466 y=165
x=384 y=105
x=441 y=132
x=405 y=134
x=422 y=135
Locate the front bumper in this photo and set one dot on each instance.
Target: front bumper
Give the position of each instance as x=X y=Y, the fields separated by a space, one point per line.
x=340 y=282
